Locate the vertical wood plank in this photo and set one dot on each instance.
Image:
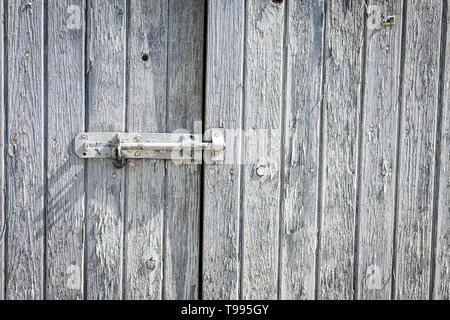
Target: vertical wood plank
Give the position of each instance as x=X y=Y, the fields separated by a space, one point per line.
x=301 y=149
x=185 y=92
x=105 y=183
x=442 y=254
x=221 y=200
x=145 y=181
x=344 y=43
x=25 y=151
x=65 y=217
x=378 y=164
x=417 y=149
x=2 y=155
x=262 y=123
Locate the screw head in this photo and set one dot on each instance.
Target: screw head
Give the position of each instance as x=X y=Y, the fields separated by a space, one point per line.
x=261 y=171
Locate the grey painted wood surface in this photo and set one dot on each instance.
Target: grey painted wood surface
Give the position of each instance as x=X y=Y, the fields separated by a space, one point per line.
x=298 y=230
x=442 y=252
x=65 y=171
x=105 y=112
x=378 y=154
x=420 y=81
x=26 y=187
x=145 y=188
x=344 y=41
x=185 y=94
x=2 y=152
x=340 y=175
x=224 y=103
x=262 y=123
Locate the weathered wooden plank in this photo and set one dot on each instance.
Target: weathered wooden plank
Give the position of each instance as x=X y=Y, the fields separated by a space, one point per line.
x=262 y=123
x=378 y=151
x=145 y=178
x=105 y=183
x=25 y=151
x=344 y=43
x=442 y=253
x=2 y=158
x=65 y=171
x=184 y=94
x=417 y=149
x=221 y=198
x=301 y=149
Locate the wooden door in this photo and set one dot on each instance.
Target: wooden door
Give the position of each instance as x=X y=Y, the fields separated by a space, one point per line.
x=335 y=182
x=339 y=184
x=84 y=229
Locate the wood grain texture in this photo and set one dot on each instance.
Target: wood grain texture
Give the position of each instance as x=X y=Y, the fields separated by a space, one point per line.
x=147 y=37
x=84 y=229
x=378 y=164
x=262 y=122
x=344 y=43
x=185 y=92
x=25 y=151
x=417 y=149
x=221 y=200
x=2 y=158
x=65 y=171
x=105 y=184
x=301 y=149
x=442 y=253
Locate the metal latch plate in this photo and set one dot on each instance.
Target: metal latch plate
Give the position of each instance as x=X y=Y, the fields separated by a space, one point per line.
x=162 y=146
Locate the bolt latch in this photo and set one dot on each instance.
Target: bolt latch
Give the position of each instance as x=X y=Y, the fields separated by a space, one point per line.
x=118 y=147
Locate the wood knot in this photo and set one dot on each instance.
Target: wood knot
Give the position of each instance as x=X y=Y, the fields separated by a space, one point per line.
x=150 y=264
